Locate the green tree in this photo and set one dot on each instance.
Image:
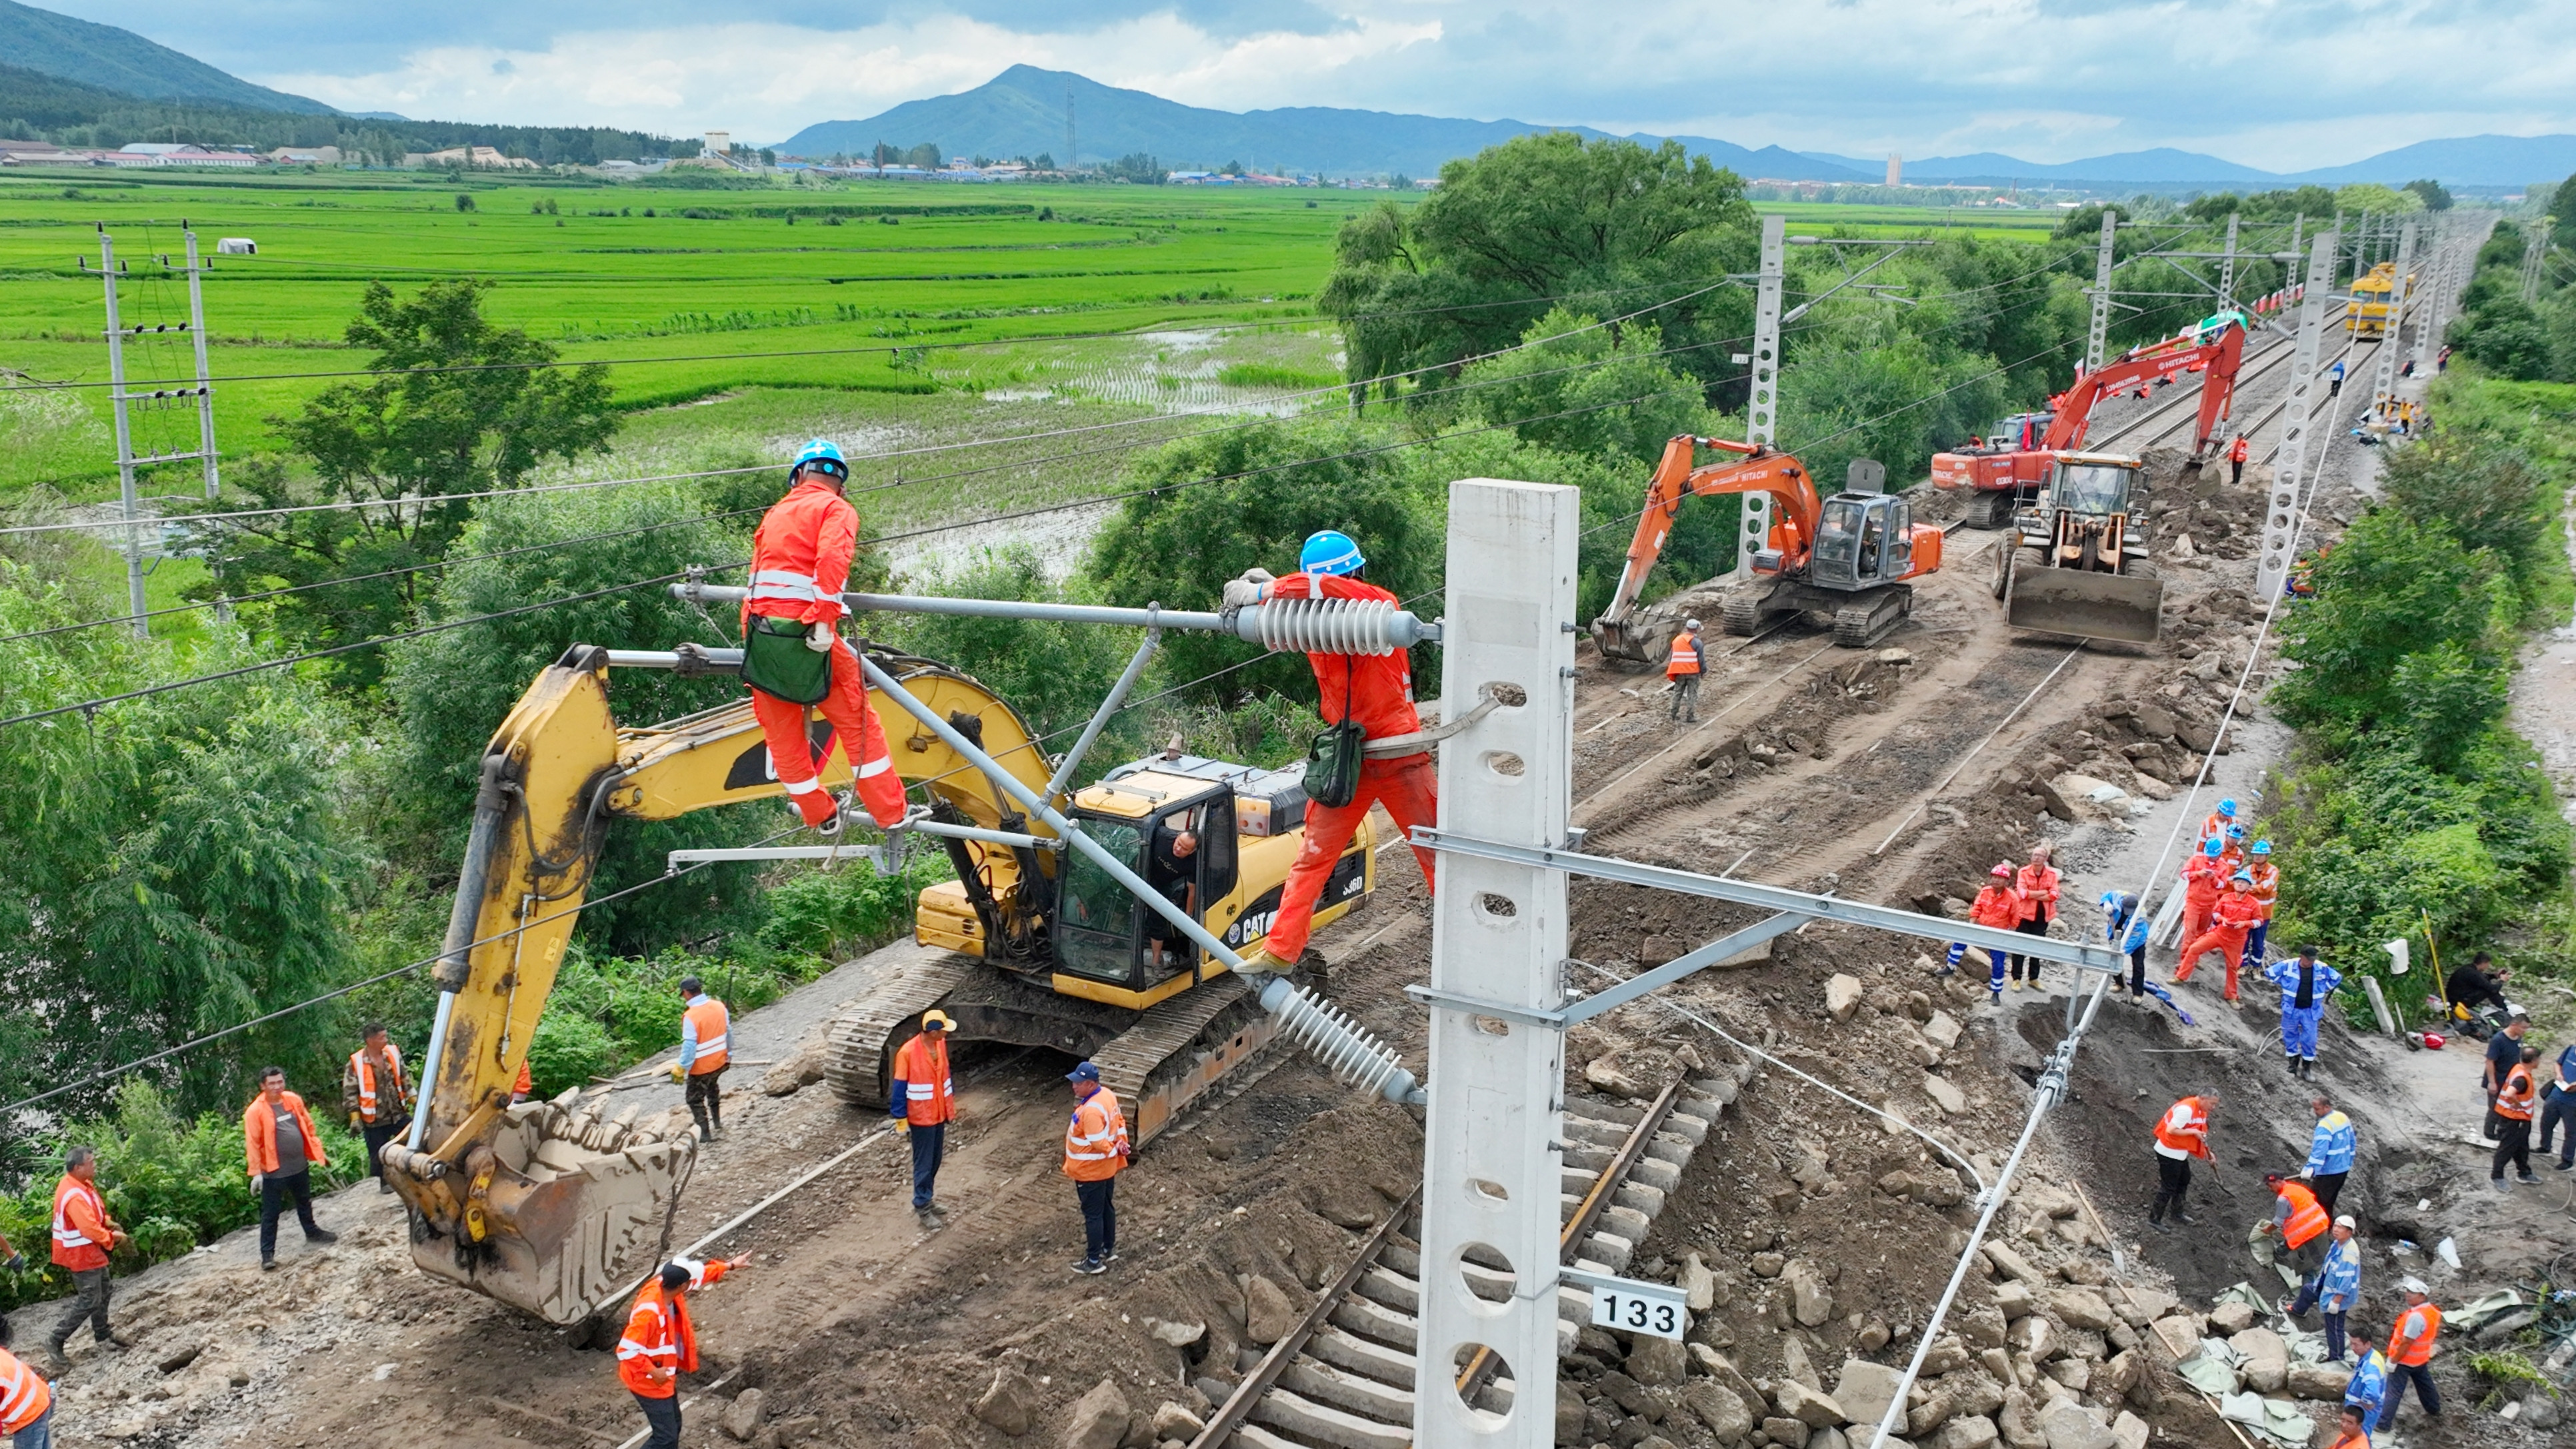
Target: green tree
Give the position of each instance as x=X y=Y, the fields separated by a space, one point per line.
x=2395 y=587
x=2371 y=196
x=1586 y=389
x=2431 y=193
x=2486 y=493
x=1604 y=228
x=453 y=404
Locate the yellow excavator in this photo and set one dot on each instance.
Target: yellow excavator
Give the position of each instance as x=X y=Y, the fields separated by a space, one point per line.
x=558 y=1208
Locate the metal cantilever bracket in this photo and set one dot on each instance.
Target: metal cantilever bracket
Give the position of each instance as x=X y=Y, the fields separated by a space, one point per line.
x=1420 y=740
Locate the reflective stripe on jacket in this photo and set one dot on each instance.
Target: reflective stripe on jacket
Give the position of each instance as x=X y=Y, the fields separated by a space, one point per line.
x=2411 y=1341
x=703 y=1030
x=24 y=1394
x=2369 y=1380
x=2237 y=912
x=2331 y=1150
x=1095 y=1141
x=2340 y=1281
x=2267 y=886
x=2183 y=1131
x=259 y=1133
x=658 y=1333
x=2516 y=1098
x=1685 y=656
x=800 y=557
x=2299 y=1213
x=2285 y=974
x=82 y=1229
x=922 y=1091
x=358 y=1084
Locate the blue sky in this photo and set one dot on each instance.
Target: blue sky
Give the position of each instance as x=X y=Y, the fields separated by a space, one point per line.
x=2280 y=84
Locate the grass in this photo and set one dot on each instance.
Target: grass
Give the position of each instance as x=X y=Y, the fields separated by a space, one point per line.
x=852 y=277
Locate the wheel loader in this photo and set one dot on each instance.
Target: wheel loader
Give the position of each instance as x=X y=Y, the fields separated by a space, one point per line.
x=2074 y=564
x=1849 y=555
x=557 y=1207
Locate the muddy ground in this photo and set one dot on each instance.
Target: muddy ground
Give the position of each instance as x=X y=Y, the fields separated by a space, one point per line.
x=1897 y=775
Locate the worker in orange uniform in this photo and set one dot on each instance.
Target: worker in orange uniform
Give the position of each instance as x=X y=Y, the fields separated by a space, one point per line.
x=2182 y=1134
x=2036 y=884
x=706 y=1029
x=1374 y=691
x=922 y=1098
x=794 y=659
x=2267 y=896
x=83 y=1237
x=26 y=1400
x=2204 y=879
x=523 y=1086
x=2410 y=1349
x=1095 y=1152
x=2349 y=1430
x=1682 y=670
x=2237 y=453
x=2514 y=1102
x=2299 y=1219
x=376 y=1095
x=2226 y=935
x=2215 y=824
x=1997 y=905
x=282 y=1146
x=659 y=1345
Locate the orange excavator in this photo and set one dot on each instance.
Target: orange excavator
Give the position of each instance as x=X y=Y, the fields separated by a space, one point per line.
x=2009 y=468
x=1849 y=554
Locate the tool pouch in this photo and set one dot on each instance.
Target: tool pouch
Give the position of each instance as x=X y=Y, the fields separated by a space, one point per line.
x=1333 y=760
x=776 y=662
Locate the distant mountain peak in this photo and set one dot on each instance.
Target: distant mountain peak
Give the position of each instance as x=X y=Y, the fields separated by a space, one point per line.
x=120 y=60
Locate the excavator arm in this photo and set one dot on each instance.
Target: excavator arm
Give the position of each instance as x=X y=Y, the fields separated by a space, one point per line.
x=2153 y=366
x=1760 y=469
x=554 y=1207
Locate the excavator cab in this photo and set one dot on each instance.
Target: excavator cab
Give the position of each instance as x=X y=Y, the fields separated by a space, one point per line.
x=1103 y=933
x=1863 y=541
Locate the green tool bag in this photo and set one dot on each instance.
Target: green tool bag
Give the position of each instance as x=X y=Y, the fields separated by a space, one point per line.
x=1333 y=760
x=776 y=662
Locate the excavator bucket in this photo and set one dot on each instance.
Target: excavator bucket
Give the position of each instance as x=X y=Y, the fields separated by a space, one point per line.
x=1637 y=638
x=561 y=1212
x=2086 y=605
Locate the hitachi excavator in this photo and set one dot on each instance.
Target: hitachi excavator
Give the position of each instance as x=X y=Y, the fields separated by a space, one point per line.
x=2009 y=469
x=557 y=1207
x=1850 y=554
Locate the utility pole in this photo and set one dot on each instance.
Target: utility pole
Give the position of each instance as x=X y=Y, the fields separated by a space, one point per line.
x=2428 y=315
x=1761 y=408
x=107 y=268
x=2227 y=269
x=1490 y=1175
x=2098 y=338
x=2384 y=376
x=2535 y=246
x=121 y=403
x=2298 y=419
x=205 y=380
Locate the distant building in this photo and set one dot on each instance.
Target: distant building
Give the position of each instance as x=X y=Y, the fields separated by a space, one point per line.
x=719 y=142
x=306 y=155
x=236 y=246
x=1895 y=169
x=165 y=153
x=472 y=157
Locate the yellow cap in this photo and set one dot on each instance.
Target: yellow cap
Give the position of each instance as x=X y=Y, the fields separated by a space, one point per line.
x=936 y=1020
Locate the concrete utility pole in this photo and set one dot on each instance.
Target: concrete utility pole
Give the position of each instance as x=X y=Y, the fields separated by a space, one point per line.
x=124 y=439
x=1490 y=1176
x=2535 y=246
x=2298 y=419
x=1762 y=406
x=2428 y=313
x=121 y=404
x=2392 y=334
x=2227 y=269
x=2098 y=338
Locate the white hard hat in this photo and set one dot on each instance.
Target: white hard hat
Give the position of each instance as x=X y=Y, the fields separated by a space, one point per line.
x=2415 y=1285
x=1690 y=623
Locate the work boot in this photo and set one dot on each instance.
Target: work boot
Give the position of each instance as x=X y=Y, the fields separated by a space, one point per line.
x=119 y=1337
x=384 y=1185
x=56 y=1363
x=931 y=1222
x=268 y=1265
x=323 y=1236
x=699 y=1116
x=2528 y=1179
x=2498 y=1184
x=1090 y=1267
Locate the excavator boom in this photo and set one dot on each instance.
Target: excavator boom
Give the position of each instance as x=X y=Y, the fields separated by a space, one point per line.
x=1795 y=507
x=2154 y=365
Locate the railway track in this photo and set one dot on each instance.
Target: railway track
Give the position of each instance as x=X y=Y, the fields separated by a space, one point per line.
x=1343 y=1377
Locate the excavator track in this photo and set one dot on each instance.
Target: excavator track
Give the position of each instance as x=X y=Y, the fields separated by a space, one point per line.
x=1182 y=1050
x=1863 y=621
x=861 y=1035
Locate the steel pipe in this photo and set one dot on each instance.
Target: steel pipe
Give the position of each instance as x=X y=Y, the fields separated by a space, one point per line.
x=1335 y=626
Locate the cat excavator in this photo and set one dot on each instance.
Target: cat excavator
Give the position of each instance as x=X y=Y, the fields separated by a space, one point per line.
x=558 y=1207
x=2008 y=470
x=1850 y=554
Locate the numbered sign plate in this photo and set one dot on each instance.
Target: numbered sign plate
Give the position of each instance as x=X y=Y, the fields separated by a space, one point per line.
x=1630 y=1306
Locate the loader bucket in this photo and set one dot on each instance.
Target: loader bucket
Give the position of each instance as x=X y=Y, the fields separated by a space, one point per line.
x=557 y=1214
x=2086 y=605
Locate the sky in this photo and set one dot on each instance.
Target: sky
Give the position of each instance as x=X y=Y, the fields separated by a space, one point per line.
x=2279 y=84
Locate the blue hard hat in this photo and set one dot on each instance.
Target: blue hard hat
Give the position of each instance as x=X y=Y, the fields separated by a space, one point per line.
x=2262 y=847
x=2225 y=807
x=821 y=455
x=2236 y=832
x=2213 y=847
x=1330 y=551
x=2243 y=877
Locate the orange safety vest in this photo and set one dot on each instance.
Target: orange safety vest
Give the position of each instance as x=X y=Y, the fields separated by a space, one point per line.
x=2515 y=1099
x=2238 y=911
x=526 y=1083
x=1095 y=1141
x=2185 y=1128
x=2267 y=888
x=2358 y=1439
x=658 y=1333
x=259 y=1133
x=1996 y=906
x=930 y=1093
x=2038 y=887
x=24 y=1395
x=2216 y=825
x=82 y=1231
x=366 y=1071
x=2411 y=1342
x=712 y=1022
x=2238 y=451
x=2307 y=1215
x=1685 y=656
x=800 y=557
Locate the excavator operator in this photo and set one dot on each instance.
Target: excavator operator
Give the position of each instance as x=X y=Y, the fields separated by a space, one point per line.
x=1374 y=691
x=794 y=659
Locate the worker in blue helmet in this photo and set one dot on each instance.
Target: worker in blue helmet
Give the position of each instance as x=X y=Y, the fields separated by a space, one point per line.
x=1372 y=693
x=2218 y=821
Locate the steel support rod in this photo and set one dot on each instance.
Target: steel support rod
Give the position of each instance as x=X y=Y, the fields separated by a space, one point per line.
x=1402 y=629
x=1100 y=717
x=1626 y=991
x=1773 y=898
x=1313 y=1022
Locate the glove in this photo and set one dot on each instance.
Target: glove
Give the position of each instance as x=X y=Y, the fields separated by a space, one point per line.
x=1247 y=589
x=354 y=1124
x=820 y=637
x=903 y=1124
x=257 y=1179
x=679 y=1074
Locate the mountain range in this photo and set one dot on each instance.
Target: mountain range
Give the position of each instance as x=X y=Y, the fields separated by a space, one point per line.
x=120 y=60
